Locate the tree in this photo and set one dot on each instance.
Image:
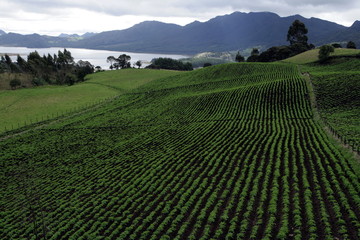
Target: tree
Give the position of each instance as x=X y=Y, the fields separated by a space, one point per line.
x=239 y=58
x=8 y=60
x=297 y=33
x=83 y=68
x=275 y=54
x=168 y=63
x=111 y=60
x=68 y=58
x=324 y=52
x=207 y=64
x=254 y=55
x=139 y=64
x=351 y=44
x=123 y=61
x=255 y=52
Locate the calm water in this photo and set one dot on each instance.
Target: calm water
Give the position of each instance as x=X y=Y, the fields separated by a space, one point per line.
x=95 y=57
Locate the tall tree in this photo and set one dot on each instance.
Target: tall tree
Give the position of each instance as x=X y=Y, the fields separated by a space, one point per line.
x=22 y=63
x=254 y=55
x=8 y=59
x=69 y=59
x=297 y=33
x=123 y=61
x=138 y=63
x=111 y=60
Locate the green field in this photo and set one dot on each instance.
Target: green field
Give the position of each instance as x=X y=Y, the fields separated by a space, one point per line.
x=226 y=152
x=337 y=88
x=30 y=105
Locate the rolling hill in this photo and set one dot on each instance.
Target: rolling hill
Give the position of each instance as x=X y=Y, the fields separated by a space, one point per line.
x=31 y=105
x=227 y=152
x=223 y=33
x=312 y=56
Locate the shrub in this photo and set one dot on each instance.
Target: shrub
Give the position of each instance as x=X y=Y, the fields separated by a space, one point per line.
x=15 y=83
x=171 y=64
x=325 y=52
x=38 y=81
x=351 y=44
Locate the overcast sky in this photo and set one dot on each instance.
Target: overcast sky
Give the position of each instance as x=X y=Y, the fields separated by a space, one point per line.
x=53 y=17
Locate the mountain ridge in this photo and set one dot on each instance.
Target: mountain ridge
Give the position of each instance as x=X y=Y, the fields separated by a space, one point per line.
x=231 y=32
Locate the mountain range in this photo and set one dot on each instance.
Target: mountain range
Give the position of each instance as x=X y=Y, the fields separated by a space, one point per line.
x=236 y=31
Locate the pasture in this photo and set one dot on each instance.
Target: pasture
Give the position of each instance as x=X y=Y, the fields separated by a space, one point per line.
x=24 y=106
x=312 y=55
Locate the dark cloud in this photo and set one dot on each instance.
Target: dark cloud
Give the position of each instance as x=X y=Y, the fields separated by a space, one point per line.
x=14 y=11
x=161 y=8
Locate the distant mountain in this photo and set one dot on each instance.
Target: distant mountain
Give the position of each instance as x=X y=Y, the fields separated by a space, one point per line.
x=64 y=35
x=235 y=31
x=86 y=35
x=356 y=26
x=31 y=41
x=222 y=33
x=2 y=32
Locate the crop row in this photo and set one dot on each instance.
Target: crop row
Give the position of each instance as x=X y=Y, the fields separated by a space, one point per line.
x=245 y=162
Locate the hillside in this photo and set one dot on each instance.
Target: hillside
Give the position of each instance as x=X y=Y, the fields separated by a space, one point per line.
x=312 y=56
x=25 y=106
x=225 y=152
x=220 y=34
x=337 y=88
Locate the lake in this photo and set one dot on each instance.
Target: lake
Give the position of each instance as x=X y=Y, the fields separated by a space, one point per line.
x=95 y=57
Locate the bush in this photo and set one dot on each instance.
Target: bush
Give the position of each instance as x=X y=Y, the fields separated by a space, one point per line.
x=171 y=64
x=239 y=58
x=15 y=83
x=70 y=79
x=278 y=53
x=351 y=44
x=324 y=53
x=38 y=81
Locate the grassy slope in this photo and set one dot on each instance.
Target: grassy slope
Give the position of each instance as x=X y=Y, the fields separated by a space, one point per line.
x=337 y=88
x=5 y=79
x=312 y=55
x=23 y=106
x=227 y=152
x=128 y=79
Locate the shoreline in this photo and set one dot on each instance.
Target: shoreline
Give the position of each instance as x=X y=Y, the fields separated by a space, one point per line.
x=9 y=54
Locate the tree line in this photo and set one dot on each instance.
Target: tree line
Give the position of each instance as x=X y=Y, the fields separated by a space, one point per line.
x=123 y=61
x=298 y=40
x=47 y=69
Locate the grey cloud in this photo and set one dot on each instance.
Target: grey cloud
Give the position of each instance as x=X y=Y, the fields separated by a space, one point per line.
x=179 y=8
x=12 y=11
